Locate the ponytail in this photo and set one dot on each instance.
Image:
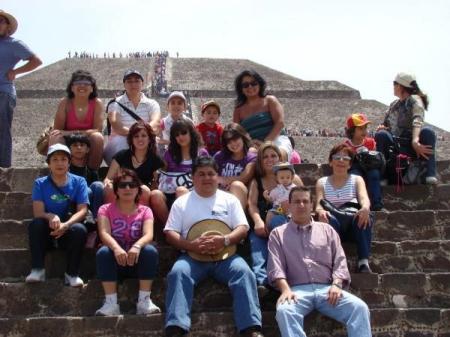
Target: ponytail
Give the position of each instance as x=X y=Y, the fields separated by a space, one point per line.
x=415 y=90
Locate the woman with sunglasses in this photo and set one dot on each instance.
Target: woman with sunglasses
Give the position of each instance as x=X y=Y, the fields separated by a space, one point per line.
x=126 y=230
x=236 y=163
x=261 y=115
x=184 y=147
x=339 y=189
x=403 y=125
x=81 y=112
x=142 y=158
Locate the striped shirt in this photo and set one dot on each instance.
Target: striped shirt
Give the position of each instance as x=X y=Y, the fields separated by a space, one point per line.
x=341 y=195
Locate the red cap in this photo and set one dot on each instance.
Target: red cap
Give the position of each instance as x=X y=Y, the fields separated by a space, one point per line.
x=358 y=119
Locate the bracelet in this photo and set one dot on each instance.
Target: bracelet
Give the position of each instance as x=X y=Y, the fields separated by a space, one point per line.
x=337 y=285
x=137 y=246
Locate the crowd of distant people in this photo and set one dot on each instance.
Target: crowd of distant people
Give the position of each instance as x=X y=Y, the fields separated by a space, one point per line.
x=210 y=186
x=130 y=55
x=159 y=81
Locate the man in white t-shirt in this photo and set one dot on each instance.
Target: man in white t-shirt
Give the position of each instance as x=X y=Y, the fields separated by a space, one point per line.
x=207 y=202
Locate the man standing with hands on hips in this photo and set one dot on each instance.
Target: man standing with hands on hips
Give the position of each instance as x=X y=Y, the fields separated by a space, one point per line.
x=308 y=265
x=11 y=52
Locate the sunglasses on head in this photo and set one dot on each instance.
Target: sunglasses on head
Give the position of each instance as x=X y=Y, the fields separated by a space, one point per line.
x=182 y=132
x=4 y=20
x=125 y=184
x=341 y=157
x=249 y=84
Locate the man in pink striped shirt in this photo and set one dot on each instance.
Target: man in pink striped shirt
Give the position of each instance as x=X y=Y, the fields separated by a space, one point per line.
x=308 y=265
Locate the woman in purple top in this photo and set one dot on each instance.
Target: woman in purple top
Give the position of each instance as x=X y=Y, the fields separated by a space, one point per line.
x=184 y=147
x=236 y=163
x=126 y=230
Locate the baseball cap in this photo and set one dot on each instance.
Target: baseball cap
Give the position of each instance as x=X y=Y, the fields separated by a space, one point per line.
x=130 y=72
x=357 y=119
x=57 y=147
x=176 y=94
x=284 y=166
x=210 y=103
x=405 y=79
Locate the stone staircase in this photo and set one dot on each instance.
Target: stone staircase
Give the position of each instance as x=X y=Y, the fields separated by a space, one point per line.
x=408 y=296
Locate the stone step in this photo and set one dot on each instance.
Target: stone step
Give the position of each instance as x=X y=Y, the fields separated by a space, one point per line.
x=406 y=256
x=429 y=322
x=20 y=179
x=392 y=226
x=52 y=298
x=18 y=205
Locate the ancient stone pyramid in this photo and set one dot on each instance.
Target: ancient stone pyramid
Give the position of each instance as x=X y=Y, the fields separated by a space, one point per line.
x=409 y=294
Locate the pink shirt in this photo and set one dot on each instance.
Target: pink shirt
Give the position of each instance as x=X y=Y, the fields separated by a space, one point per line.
x=295 y=158
x=125 y=229
x=306 y=254
x=72 y=122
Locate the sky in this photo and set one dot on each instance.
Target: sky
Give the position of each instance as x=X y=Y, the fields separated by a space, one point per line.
x=360 y=43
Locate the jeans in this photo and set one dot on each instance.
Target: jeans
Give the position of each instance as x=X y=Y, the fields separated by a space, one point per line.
x=350 y=310
x=385 y=140
x=372 y=179
x=145 y=269
x=72 y=241
x=95 y=192
x=7 y=105
x=259 y=251
x=234 y=271
x=362 y=237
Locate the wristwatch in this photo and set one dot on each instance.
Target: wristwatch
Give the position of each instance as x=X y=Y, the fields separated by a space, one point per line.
x=226 y=240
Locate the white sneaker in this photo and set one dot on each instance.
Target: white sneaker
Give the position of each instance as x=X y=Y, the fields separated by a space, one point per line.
x=431 y=180
x=108 y=309
x=146 y=307
x=36 y=275
x=73 y=281
x=384 y=182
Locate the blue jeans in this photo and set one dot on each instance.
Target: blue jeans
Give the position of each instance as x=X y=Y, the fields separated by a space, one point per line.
x=372 y=179
x=95 y=192
x=259 y=251
x=350 y=310
x=7 y=105
x=234 y=271
x=72 y=241
x=427 y=136
x=108 y=269
x=362 y=237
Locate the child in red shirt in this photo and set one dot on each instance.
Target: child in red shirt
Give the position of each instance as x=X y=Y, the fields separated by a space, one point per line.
x=210 y=128
x=356 y=132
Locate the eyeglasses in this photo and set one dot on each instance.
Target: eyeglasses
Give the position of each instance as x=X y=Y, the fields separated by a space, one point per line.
x=82 y=82
x=245 y=85
x=340 y=157
x=125 y=184
x=182 y=132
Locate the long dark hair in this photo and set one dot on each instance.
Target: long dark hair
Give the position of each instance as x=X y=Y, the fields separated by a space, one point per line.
x=241 y=98
x=415 y=90
x=82 y=75
x=134 y=129
x=232 y=131
x=182 y=125
x=134 y=178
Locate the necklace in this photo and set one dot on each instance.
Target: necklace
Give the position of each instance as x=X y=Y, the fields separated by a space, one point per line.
x=137 y=161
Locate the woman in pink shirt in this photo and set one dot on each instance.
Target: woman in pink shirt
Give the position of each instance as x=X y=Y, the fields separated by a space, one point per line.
x=81 y=112
x=126 y=230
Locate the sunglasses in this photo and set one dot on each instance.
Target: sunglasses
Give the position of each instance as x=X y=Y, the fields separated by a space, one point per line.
x=182 y=132
x=125 y=184
x=4 y=20
x=245 y=85
x=340 y=157
x=82 y=82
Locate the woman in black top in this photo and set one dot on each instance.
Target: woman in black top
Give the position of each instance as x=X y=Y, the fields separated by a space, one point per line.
x=142 y=158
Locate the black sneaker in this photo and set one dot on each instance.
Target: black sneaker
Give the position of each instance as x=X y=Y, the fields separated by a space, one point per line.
x=364 y=268
x=175 y=331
